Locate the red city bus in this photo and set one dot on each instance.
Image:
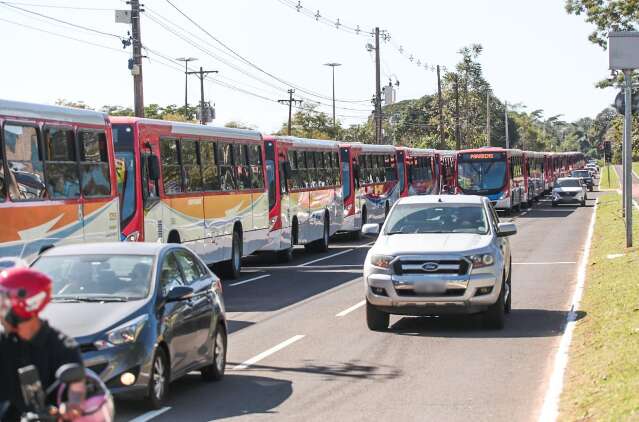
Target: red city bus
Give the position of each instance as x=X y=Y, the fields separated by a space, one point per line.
x=202 y=186
x=497 y=173
x=534 y=175
x=56 y=173
x=372 y=186
x=305 y=193
x=447 y=171
x=549 y=171
x=418 y=171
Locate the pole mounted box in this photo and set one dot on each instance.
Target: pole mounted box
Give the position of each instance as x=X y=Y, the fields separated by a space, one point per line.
x=623 y=49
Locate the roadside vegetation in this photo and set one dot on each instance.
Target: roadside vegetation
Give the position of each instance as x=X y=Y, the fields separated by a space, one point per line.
x=602 y=379
x=635 y=168
x=614 y=179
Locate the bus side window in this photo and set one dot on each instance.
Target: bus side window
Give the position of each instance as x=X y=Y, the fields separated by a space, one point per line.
x=210 y=171
x=24 y=159
x=95 y=177
x=192 y=172
x=257 y=171
x=171 y=173
x=62 y=166
x=225 y=163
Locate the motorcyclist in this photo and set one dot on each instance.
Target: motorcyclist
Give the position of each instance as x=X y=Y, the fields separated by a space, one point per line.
x=29 y=340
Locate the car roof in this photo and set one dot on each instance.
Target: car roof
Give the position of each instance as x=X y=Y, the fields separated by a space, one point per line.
x=443 y=199
x=568 y=178
x=109 y=248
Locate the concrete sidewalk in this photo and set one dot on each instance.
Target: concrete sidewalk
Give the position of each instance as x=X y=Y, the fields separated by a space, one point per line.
x=635 y=183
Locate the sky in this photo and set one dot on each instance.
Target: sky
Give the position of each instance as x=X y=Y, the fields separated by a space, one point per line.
x=534 y=54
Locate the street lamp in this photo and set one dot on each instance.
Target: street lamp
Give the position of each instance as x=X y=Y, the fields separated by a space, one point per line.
x=186 y=61
x=333 y=66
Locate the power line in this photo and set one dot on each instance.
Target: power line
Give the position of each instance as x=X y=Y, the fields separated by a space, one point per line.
x=63 y=36
x=85 y=28
x=55 y=6
x=245 y=60
x=226 y=62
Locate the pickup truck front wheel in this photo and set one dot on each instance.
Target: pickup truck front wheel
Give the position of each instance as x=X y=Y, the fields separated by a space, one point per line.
x=376 y=319
x=495 y=316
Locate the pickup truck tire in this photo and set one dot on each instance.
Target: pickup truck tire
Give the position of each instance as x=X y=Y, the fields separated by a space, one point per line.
x=495 y=316
x=376 y=319
x=509 y=300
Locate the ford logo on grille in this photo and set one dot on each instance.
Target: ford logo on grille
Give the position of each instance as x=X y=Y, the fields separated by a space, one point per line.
x=430 y=266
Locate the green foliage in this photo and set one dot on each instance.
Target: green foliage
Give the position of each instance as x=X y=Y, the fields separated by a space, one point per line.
x=310 y=123
x=239 y=125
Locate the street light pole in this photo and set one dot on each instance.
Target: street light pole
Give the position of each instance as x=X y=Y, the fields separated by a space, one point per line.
x=186 y=61
x=333 y=66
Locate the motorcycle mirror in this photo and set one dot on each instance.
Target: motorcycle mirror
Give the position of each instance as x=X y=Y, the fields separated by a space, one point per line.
x=70 y=373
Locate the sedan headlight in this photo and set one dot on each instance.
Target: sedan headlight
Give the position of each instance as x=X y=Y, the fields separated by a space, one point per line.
x=382 y=261
x=482 y=260
x=125 y=333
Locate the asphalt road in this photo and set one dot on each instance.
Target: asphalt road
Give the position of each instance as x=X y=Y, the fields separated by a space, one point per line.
x=301 y=334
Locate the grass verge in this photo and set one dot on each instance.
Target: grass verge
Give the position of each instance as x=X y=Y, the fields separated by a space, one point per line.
x=614 y=179
x=602 y=379
x=635 y=168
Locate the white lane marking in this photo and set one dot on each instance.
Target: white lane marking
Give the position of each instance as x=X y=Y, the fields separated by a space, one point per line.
x=545 y=263
x=310 y=267
x=550 y=408
x=326 y=257
x=351 y=309
x=268 y=352
x=150 y=415
x=239 y=283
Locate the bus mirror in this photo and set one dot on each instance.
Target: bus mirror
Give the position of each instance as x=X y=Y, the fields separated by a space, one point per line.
x=287 y=169
x=154 y=167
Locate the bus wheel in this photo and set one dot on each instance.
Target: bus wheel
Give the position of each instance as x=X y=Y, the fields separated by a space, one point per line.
x=320 y=245
x=233 y=267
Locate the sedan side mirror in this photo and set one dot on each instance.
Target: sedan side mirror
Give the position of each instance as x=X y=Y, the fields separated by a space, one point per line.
x=370 y=229
x=179 y=293
x=506 y=229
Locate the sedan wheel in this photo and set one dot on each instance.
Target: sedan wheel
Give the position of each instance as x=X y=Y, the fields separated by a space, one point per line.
x=215 y=371
x=159 y=383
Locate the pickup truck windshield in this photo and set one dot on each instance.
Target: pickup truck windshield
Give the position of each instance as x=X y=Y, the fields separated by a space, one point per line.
x=437 y=218
x=568 y=183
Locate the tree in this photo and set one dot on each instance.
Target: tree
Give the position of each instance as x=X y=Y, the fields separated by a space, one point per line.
x=310 y=123
x=606 y=15
x=239 y=125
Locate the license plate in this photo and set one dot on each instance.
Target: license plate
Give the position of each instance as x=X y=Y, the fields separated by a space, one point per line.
x=430 y=287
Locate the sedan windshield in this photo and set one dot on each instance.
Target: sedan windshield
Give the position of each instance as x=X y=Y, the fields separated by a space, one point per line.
x=568 y=183
x=481 y=175
x=437 y=218
x=98 y=277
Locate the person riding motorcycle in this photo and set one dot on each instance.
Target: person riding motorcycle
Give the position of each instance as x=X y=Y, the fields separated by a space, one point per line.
x=29 y=340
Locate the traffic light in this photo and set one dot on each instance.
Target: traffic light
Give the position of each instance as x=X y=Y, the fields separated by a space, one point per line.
x=620 y=102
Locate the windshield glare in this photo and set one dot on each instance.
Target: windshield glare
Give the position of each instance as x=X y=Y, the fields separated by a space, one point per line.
x=568 y=183
x=481 y=175
x=98 y=276
x=437 y=218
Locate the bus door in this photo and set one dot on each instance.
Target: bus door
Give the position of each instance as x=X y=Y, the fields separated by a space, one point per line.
x=284 y=170
x=150 y=174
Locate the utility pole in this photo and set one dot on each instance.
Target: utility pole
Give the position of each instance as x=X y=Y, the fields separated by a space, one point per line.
x=138 y=91
x=506 y=124
x=378 y=92
x=457 y=128
x=186 y=61
x=440 y=107
x=201 y=74
x=488 y=118
x=290 y=103
x=627 y=155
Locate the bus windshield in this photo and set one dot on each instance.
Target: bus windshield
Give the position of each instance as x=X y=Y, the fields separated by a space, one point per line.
x=481 y=175
x=125 y=169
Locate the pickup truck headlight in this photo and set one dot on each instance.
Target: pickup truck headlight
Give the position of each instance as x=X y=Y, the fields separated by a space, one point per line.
x=125 y=333
x=382 y=261
x=482 y=260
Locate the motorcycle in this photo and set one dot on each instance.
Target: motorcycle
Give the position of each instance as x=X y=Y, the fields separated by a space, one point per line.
x=96 y=407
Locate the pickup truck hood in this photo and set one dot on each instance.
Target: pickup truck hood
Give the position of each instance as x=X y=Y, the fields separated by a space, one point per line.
x=426 y=243
x=575 y=189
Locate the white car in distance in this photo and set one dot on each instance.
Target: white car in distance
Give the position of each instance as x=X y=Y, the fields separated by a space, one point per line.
x=438 y=255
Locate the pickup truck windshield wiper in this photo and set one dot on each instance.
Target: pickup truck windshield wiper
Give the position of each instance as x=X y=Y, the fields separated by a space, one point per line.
x=394 y=232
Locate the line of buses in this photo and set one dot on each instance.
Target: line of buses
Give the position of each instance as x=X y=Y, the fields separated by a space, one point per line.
x=70 y=175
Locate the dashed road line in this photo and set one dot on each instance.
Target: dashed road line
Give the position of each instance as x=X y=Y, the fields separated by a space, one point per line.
x=326 y=257
x=239 y=283
x=268 y=353
x=351 y=309
x=545 y=263
x=150 y=415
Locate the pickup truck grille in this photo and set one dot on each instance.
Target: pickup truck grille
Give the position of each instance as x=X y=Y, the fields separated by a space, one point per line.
x=567 y=194
x=413 y=293
x=448 y=266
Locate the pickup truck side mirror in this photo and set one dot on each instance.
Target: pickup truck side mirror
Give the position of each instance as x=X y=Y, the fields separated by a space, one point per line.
x=370 y=229
x=506 y=229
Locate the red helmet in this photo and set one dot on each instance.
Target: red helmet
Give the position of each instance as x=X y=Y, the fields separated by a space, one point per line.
x=24 y=293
